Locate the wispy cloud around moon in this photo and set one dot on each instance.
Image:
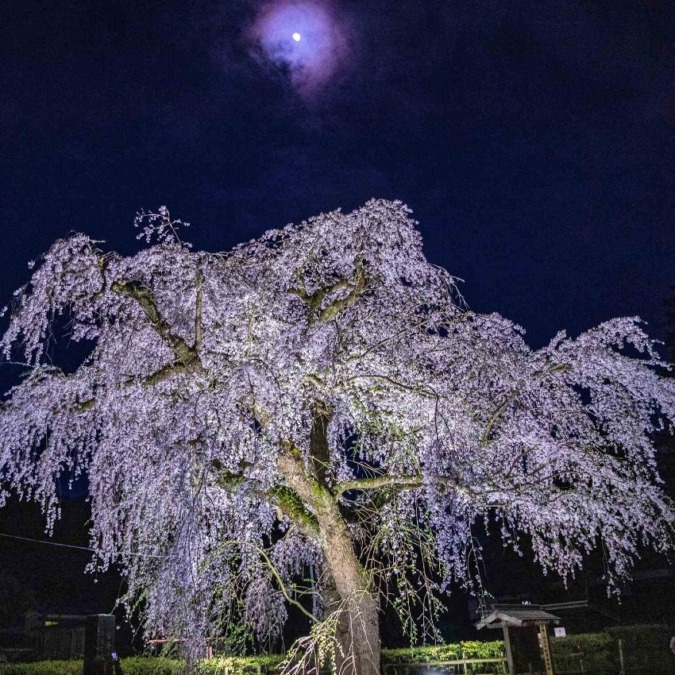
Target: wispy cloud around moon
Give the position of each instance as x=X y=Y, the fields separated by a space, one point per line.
x=304 y=38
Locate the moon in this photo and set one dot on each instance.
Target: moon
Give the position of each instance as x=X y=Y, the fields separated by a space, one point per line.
x=320 y=44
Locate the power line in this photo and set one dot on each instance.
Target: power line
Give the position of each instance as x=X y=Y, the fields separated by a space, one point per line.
x=72 y=546
x=48 y=543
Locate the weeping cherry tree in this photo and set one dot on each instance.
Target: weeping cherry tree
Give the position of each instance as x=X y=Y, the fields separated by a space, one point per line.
x=316 y=419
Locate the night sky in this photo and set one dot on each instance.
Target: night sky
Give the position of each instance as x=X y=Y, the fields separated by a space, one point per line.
x=535 y=141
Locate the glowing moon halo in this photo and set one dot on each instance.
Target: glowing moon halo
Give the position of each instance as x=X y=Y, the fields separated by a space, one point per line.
x=307 y=41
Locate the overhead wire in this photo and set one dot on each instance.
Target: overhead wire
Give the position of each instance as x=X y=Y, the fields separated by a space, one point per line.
x=48 y=543
x=71 y=546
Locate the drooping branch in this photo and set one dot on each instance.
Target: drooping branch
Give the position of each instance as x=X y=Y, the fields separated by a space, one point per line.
x=282 y=586
x=423 y=390
x=403 y=482
x=378 y=482
x=198 y=311
x=558 y=368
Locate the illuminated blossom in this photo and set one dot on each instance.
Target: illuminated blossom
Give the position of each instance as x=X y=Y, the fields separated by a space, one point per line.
x=317 y=412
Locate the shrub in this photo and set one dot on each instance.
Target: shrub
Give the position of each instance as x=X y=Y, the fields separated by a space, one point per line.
x=42 y=668
x=645 y=648
x=645 y=651
x=152 y=665
x=155 y=665
x=240 y=665
x=596 y=651
x=450 y=652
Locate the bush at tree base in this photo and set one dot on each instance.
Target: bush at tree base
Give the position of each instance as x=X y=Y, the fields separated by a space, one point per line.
x=645 y=650
x=250 y=664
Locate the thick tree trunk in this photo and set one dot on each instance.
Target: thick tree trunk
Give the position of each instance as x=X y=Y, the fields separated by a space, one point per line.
x=350 y=587
x=351 y=594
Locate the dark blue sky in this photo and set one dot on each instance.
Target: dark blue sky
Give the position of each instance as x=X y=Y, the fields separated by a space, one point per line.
x=534 y=140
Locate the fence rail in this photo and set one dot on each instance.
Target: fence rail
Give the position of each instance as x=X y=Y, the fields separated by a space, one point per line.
x=453 y=667
x=497 y=667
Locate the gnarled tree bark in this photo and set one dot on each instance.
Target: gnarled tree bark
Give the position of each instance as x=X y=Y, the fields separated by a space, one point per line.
x=358 y=632
x=349 y=587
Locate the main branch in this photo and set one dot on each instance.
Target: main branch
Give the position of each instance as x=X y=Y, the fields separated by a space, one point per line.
x=404 y=482
x=185 y=357
x=356 y=286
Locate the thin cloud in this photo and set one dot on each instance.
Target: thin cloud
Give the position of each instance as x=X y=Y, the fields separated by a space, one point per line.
x=308 y=40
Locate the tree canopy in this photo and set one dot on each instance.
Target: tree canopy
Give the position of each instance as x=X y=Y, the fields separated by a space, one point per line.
x=320 y=404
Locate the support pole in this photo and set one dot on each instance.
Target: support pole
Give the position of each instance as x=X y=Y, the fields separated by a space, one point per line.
x=507 y=647
x=545 y=648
